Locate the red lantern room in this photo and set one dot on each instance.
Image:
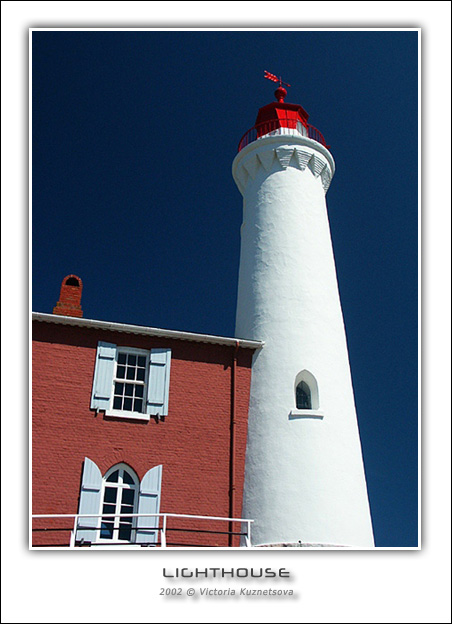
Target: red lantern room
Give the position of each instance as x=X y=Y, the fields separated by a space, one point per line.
x=280 y=115
x=281 y=118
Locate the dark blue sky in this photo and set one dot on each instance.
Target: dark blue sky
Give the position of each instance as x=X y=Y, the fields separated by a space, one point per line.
x=134 y=134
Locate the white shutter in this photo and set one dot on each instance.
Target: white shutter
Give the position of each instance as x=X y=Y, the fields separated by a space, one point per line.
x=89 y=501
x=158 y=383
x=103 y=376
x=149 y=502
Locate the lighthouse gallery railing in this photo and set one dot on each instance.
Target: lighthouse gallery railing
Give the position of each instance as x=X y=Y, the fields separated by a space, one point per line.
x=273 y=127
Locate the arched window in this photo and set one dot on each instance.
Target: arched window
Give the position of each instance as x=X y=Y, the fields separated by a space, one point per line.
x=306 y=391
x=118 y=492
x=303 y=396
x=120 y=489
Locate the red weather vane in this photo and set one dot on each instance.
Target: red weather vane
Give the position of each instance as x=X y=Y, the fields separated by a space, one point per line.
x=274 y=78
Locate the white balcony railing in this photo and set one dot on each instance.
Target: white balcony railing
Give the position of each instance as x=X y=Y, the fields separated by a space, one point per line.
x=245 y=531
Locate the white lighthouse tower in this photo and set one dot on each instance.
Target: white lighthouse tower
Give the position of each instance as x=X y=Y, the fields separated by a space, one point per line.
x=304 y=474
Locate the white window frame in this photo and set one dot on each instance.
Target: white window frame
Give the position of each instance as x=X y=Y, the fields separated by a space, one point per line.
x=116 y=521
x=123 y=413
x=314 y=411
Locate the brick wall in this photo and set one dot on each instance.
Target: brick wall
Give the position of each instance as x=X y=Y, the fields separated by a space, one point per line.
x=192 y=443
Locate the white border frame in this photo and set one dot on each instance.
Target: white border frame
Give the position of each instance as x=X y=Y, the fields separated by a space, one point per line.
x=416 y=587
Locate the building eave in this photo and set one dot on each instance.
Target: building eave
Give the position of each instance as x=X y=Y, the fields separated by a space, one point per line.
x=146 y=331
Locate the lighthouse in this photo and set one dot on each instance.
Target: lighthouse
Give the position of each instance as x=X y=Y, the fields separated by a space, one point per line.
x=304 y=475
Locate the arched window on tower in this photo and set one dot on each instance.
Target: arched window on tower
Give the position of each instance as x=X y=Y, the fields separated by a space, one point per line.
x=306 y=391
x=303 y=396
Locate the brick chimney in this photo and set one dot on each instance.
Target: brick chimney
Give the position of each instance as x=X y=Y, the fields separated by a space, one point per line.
x=70 y=296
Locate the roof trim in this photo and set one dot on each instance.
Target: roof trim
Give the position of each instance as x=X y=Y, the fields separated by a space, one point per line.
x=147 y=331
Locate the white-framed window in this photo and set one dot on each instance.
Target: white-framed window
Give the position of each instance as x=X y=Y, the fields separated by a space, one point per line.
x=307 y=404
x=130 y=382
x=306 y=391
x=303 y=396
x=119 y=491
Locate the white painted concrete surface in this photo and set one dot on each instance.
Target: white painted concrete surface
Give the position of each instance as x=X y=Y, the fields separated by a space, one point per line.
x=304 y=477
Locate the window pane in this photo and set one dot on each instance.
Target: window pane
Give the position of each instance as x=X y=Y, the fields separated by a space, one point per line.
x=303 y=396
x=132 y=360
x=108 y=509
x=130 y=373
x=121 y=372
x=129 y=390
x=119 y=388
x=139 y=391
x=141 y=374
x=106 y=530
x=141 y=361
x=117 y=403
x=128 y=496
x=125 y=531
x=113 y=478
x=122 y=358
x=110 y=496
x=127 y=479
x=128 y=405
x=138 y=406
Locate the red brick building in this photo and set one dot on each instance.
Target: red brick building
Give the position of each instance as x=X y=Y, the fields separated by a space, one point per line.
x=138 y=420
